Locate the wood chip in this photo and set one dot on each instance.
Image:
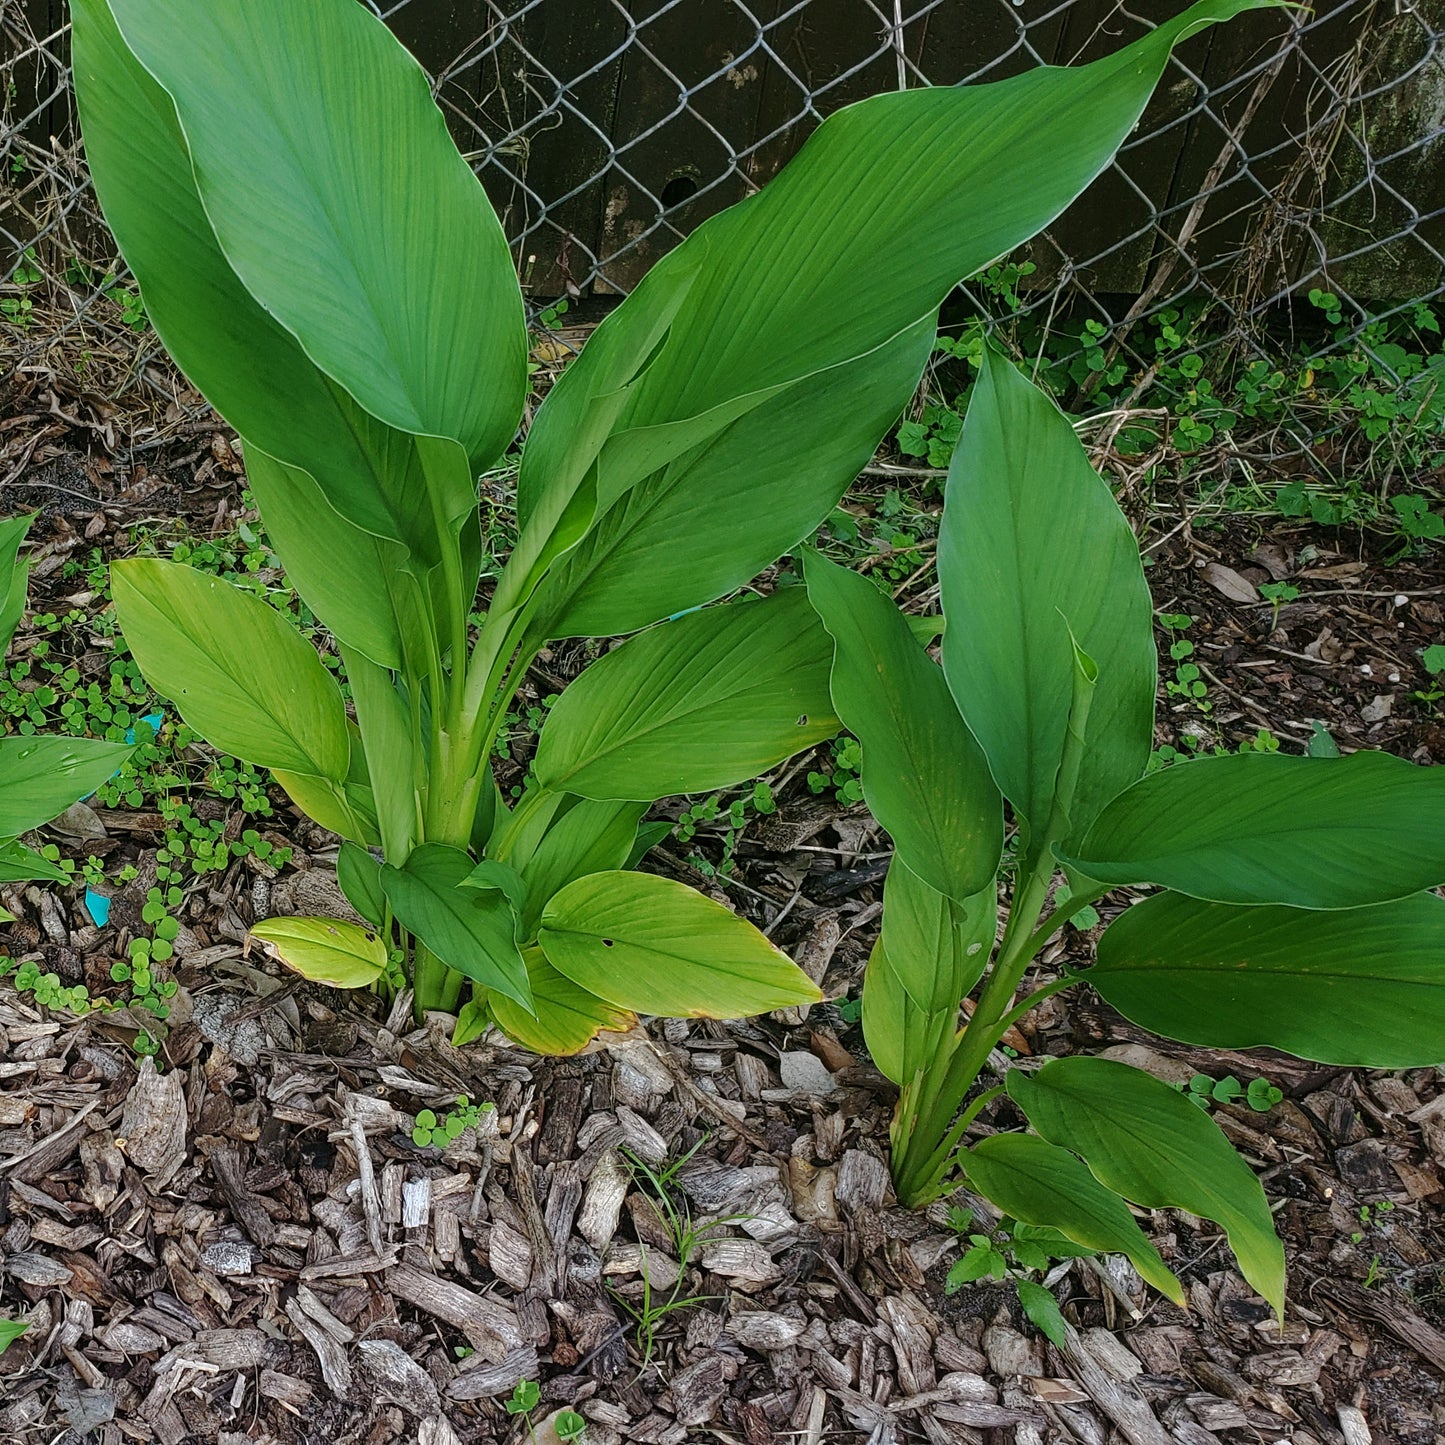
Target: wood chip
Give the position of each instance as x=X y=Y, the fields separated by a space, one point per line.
x=491 y=1327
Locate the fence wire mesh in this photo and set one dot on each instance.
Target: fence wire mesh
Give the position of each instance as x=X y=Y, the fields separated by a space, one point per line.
x=1288 y=152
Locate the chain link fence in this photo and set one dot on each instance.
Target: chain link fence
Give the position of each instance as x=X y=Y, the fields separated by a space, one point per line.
x=1289 y=152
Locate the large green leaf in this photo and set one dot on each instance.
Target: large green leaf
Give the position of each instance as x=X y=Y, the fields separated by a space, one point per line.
x=902 y=1038
x=1265 y=828
x=659 y=947
x=1033 y=546
x=567 y=1018
x=325 y=950
x=472 y=930
x=903 y=194
x=1361 y=986
x=356 y=582
x=251 y=367
x=707 y=701
x=237 y=671
x=14 y=574
x=924 y=776
x=43 y=776
x=1147 y=1142
x=339 y=200
x=583 y=837
x=1039 y=1183
x=714 y=518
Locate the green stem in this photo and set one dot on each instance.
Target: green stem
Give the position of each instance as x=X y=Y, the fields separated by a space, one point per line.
x=429 y=980
x=1033 y=1000
x=948 y=1150
x=922 y=1154
x=1061 y=915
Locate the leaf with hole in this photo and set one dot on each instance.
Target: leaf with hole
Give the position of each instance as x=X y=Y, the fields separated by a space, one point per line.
x=325 y=950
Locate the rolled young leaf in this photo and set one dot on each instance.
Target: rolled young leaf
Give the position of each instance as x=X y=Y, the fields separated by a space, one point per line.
x=1148 y=1143
x=1266 y=828
x=1040 y=1183
x=659 y=947
x=903 y=194
x=1033 y=545
x=902 y=1038
x=566 y=1019
x=1362 y=987
x=471 y=930
x=42 y=776
x=704 y=702
x=237 y=671
x=325 y=950
x=252 y=369
x=924 y=776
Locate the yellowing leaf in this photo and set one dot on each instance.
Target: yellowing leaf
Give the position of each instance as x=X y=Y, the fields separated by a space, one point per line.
x=567 y=1017
x=659 y=947
x=325 y=950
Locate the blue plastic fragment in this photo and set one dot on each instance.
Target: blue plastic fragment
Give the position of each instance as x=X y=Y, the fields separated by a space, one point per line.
x=155 y=719
x=685 y=612
x=98 y=906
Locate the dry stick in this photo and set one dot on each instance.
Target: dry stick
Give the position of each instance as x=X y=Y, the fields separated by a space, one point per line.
x=366 y=1181
x=51 y=1142
x=1169 y=262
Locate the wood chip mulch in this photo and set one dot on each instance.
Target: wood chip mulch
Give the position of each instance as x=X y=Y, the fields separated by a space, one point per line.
x=247 y=1245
